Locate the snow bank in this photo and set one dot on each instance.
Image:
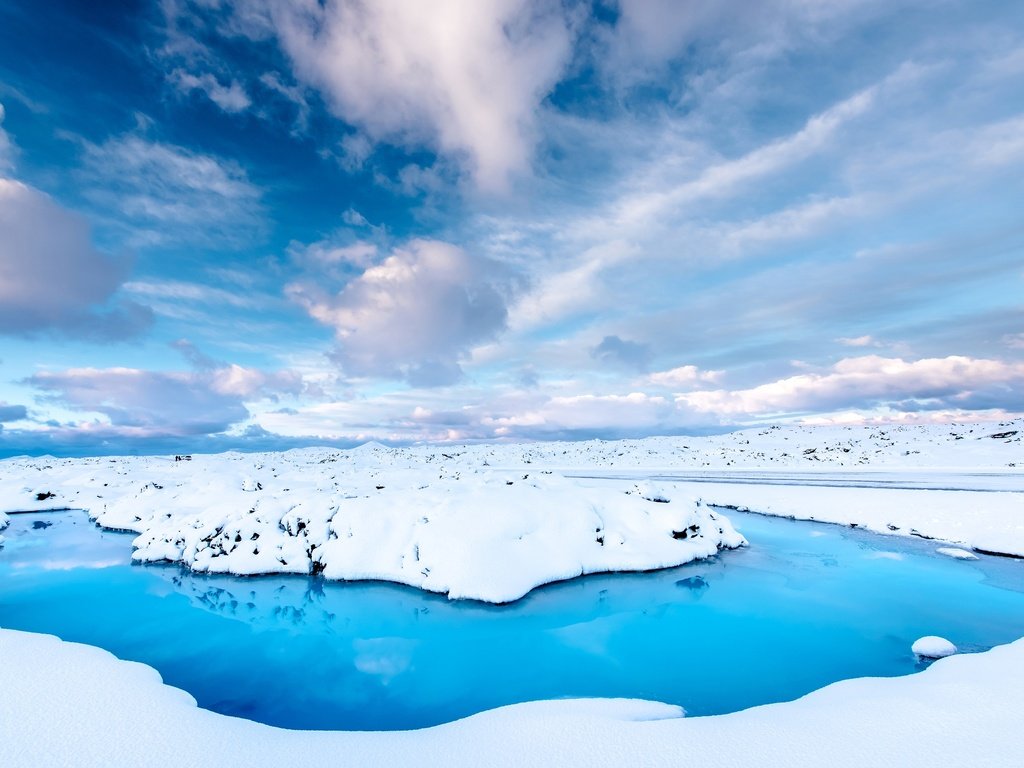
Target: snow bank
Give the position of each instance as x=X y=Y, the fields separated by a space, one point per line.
x=69 y=704
x=932 y=647
x=988 y=522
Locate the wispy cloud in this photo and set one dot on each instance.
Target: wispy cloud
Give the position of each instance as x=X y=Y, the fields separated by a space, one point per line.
x=159 y=193
x=230 y=97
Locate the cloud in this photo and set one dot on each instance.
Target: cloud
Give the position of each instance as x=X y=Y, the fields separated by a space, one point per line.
x=160 y=193
x=12 y=412
x=52 y=279
x=872 y=381
x=464 y=79
x=330 y=253
x=230 y=98
x=145 y=402
x=858 y=341
x=685 y=376
x=413 y=315
x=617 y=351
x=7 y=149
x=206 y=400
x=589 y=415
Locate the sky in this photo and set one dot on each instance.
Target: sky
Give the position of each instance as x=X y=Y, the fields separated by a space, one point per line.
x=260 y=224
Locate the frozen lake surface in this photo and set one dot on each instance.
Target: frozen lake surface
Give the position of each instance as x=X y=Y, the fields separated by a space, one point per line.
x=805 y=605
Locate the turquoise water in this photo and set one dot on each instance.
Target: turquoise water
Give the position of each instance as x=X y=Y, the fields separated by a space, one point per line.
x=805 y=605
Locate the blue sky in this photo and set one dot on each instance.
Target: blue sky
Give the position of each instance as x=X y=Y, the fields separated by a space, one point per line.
x=260 y=224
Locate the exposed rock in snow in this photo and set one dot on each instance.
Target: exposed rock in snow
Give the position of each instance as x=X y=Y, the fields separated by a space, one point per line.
x=932 y=647
x=69 y=704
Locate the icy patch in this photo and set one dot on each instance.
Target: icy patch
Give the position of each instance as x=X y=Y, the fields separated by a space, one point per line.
x=932 y=647
x=959 y=554
x=885 y=556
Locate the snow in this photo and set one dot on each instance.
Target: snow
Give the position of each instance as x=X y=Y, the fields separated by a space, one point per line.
x=443 y=526
x=932 y=647
x=492 y=521
x=958 y=554
x=69 y=704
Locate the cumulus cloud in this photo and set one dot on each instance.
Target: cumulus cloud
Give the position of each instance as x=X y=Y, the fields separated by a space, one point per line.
x=51 y=276
x=161 y=193
x=206 y=400
x=230 y=98
x=464 y=79
x=413 y=315
x=618 y=351
x=872 y=381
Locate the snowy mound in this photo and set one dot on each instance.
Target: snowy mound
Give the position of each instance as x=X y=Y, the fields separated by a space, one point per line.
x=468 y=533
x=932 y=647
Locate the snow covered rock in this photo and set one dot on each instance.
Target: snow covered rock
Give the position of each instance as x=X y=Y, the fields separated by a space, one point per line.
x=932 y=647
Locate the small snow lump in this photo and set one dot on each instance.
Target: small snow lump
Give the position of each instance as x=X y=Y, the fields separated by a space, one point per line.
x=932 y=647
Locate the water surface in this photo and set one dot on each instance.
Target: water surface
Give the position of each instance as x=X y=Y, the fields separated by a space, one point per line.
x=805 y=605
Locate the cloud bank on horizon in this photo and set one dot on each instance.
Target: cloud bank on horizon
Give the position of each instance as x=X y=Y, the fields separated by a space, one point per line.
x=258 y=224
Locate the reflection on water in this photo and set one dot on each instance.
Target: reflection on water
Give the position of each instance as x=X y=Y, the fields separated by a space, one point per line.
x=805 y=605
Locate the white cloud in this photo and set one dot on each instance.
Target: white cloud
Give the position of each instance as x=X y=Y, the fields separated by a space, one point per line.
x=162 y=192
x=858 y=341
x=51 y=276
x=465 y=79
x=683 y=377
x=413 y=315
x=180 y=290
x=6 y=147
x=870 y=381
x=230 y=98
x=328 y=253
x=144 y=403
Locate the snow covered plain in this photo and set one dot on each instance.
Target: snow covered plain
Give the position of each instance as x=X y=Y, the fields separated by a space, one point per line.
x=491 y=522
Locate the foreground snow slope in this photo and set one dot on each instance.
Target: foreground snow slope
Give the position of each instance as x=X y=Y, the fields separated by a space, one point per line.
x=493 y=521
x=69 y=704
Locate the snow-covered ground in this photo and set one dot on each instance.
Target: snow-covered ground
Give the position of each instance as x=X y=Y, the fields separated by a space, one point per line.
x=74 y=705
x=493 y=521
x=445 y=526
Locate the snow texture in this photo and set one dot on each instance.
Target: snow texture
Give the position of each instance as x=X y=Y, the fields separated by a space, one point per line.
x=70 y=704
x=932 y=647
